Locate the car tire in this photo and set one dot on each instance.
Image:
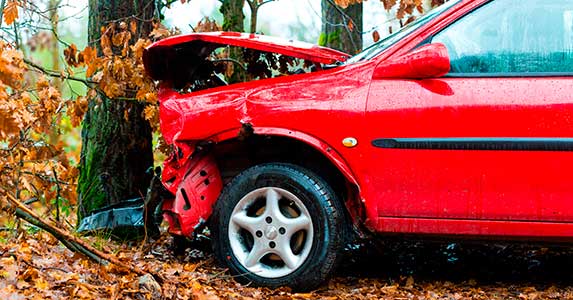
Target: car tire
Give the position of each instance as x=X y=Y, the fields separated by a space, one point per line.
x=278 y=225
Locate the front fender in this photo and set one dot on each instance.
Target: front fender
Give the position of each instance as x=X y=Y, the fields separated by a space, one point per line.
x=320 y=145
x=196 y=182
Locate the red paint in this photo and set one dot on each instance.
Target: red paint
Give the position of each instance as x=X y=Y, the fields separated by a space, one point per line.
x=198 y=185
x=260 y=42
x=461 y=192
x=475 y=227
x=428 y=61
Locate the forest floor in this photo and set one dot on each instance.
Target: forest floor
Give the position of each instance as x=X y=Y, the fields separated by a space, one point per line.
x=33 y=265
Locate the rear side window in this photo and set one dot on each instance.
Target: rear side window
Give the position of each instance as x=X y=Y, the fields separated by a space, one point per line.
x=513 y=38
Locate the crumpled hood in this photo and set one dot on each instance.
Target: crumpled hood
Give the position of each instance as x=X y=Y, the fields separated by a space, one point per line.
x=162 y=58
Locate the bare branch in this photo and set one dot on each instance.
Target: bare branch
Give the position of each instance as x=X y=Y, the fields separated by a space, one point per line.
x=265 y=2
x=72 y=242
x=53 y=73
x=230 y=60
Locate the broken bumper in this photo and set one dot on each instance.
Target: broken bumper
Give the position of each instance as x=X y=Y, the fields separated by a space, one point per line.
x=196 y=184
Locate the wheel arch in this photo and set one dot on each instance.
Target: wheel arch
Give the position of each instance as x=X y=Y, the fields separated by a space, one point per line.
x=250 y=146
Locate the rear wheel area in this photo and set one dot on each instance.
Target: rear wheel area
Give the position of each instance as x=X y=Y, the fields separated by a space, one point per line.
x=278 y=224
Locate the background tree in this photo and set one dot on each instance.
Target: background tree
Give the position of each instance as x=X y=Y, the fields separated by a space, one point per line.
x=254 y=5
x=54 y=44
x=116 y=139
x=234 y=20
x=342 y=20
x=341 y=26
x=233 y=17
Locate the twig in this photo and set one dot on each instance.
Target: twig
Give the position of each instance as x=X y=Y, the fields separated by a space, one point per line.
x=58 y=195
x=230 y=60
x=16 y=35
x=40 y=176
x=151 y=201
x=31 y=200
x=41 y=268
x=52 y=73
x=72 y=242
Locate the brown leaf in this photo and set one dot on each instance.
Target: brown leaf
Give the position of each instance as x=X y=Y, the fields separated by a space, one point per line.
x=76 y=110
x=11 y=11
x=105 y=41
x=70 y=54
x=350 y=25
x=119 y=38
x=437 y=2
x=388 y=4
x=401 y=13
x=89 y=58
x=207 y=25
x=375 y=36
x=133 y=26
x=410 y=20
x=342 y=3
x=159 y=33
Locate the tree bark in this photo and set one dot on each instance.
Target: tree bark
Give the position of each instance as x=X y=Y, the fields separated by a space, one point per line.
x=254 y=15
x=233 y=17
x=116 y=140
x=341 y=28
x=254 y=6
x=233 y=20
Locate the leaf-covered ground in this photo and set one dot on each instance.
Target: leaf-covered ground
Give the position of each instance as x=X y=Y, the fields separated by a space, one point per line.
x=35 y=266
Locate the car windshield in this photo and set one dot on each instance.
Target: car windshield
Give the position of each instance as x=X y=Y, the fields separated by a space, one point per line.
x=378 y=47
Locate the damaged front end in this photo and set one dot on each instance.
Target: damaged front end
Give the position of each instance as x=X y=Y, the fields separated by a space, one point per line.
x=198 y=61
x=195 y=181
x=191 y=63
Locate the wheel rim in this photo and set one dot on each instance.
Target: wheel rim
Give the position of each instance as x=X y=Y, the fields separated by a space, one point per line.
x=270 y=232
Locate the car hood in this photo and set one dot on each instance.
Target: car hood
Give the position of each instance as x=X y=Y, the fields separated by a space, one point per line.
x=162 y=57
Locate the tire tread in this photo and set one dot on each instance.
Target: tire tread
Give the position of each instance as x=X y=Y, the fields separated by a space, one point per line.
x=317 y=271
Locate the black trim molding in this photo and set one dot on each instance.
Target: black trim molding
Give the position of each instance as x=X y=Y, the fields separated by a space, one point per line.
x=493 y=144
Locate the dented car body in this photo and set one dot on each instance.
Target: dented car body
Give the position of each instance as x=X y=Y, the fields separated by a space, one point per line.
x=223 y=114
x=415 y=135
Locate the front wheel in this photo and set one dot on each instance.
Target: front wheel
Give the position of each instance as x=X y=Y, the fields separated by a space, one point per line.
x=276 y=225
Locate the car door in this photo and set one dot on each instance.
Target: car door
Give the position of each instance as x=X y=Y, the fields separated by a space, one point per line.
x=492 y=140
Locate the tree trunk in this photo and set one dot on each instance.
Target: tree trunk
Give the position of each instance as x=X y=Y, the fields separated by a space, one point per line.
x=116 y=140
x=233 y=17
x=341 y=28
x=254 y=6
x=254 y=15
x=233 y=20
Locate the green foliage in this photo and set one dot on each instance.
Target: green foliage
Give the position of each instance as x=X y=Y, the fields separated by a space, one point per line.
x=332 y=38
x=322 y=39
x=101 y=239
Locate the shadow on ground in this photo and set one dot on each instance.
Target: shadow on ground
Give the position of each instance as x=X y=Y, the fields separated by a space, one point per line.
x=487 y=263
x=399 y=268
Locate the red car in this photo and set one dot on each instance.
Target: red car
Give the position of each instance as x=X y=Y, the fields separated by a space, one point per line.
x=459 y=124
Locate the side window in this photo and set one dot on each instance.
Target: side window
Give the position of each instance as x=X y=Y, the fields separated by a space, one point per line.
x=512 y=37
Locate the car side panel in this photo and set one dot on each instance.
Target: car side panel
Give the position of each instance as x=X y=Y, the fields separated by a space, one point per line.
x=470 y=184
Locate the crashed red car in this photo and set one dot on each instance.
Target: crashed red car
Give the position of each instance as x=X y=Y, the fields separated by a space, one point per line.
x=459 y=124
